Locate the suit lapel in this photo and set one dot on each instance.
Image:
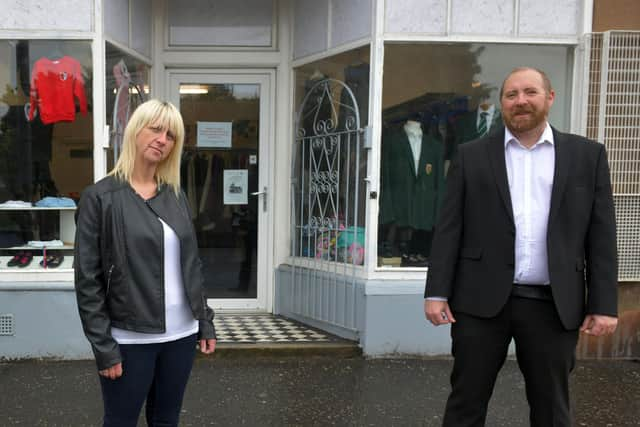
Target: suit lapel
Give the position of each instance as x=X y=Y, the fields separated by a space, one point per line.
x=560 y=172
x=499 y=167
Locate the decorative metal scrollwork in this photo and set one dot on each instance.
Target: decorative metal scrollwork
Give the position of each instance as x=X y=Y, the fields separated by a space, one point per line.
x=326 y=140
x=329 y=107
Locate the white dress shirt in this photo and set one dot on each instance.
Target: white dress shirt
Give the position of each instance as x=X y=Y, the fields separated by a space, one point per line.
x=414 y=134
x=530 y=173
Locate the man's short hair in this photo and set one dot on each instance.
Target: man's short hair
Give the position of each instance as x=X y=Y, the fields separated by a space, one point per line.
x=546 y=83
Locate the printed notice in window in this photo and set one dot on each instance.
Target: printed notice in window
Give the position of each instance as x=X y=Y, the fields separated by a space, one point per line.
x=214 y=134
x=236 y=185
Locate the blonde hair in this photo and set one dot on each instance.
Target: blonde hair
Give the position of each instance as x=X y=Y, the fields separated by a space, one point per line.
x=157 y=113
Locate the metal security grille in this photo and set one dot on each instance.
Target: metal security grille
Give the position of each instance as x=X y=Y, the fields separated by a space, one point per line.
x=6 y=324
x=613 y=117
x=327 y=212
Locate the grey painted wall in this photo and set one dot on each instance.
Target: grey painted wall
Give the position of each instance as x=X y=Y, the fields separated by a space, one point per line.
x=46 y=324
x=389 y=318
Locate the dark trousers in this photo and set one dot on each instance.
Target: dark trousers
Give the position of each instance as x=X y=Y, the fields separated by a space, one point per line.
x=545 y=353
x=155 y=372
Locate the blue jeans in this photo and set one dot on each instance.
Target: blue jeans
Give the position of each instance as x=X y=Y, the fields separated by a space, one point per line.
x=155 y=372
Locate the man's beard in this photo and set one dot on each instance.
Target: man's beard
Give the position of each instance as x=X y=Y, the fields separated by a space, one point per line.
x=532 y=120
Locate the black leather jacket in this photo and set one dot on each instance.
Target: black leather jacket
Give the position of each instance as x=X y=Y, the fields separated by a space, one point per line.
x=119 y=268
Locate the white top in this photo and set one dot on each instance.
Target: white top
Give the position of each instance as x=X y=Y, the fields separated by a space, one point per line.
x=414 y=134
x=180 y=322
x=530 y=173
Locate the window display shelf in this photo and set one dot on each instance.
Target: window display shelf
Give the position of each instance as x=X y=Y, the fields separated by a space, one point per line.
x=35 y=272
x=39 y=249
x=67 y=226
x=36 y=208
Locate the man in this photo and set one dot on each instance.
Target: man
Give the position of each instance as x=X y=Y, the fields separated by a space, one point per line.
x=525 y=248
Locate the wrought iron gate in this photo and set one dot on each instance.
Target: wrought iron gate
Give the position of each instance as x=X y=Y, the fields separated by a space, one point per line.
x=327 y=210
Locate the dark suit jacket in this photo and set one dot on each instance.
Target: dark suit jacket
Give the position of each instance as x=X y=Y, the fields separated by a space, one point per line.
x=408 y=199
x=472 y=260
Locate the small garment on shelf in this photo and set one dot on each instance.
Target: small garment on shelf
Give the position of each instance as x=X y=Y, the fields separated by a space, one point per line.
x=45 y=243
x=55 y=202
x=52 y=261
x=15 y=204
x=21 y=259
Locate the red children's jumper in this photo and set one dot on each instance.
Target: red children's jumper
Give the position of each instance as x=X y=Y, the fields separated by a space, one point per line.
x=54 y=86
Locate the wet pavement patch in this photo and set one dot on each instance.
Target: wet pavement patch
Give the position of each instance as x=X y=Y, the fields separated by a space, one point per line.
x=319 y=391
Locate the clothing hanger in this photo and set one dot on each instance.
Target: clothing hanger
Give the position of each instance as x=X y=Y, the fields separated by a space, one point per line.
x=56 y=52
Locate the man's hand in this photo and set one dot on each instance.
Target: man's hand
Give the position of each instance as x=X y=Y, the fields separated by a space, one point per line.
x=113 y=372
x=208 y=346
x=438 y=312
x=599 y=325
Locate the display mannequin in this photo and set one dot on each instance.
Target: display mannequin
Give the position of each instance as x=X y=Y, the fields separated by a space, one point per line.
x=412 y=179
x=469 y=126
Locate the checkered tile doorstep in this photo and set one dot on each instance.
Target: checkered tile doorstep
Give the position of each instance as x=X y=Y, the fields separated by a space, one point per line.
x=253 y=329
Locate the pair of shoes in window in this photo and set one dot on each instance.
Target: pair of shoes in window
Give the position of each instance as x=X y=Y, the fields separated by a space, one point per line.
x=21 y=259
x=52 y=261
x=414 y=260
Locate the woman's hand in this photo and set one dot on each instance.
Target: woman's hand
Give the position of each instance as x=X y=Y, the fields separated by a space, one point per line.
x=113 y=372
x=208 y=346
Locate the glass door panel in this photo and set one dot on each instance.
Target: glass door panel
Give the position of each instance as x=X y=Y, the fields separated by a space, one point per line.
x=221 y=176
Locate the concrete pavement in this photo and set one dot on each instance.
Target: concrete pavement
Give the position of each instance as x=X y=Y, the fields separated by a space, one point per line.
x=312 y=391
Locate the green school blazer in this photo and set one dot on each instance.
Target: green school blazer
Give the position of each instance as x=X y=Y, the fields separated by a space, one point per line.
x=407 y=199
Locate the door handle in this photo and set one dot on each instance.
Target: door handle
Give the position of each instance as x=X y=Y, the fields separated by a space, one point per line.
x=264 y=199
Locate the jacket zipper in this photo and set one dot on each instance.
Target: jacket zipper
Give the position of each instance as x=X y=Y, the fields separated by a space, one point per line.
x=163 y=302
x=109 y=278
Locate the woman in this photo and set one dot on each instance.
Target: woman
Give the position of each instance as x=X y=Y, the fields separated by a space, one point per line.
x=138 y=276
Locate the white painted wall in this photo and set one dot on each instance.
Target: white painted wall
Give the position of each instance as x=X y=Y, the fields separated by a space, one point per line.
x=141 y=12
x=549 y=17
x=116 y=21
x=416 y=16
x=477 y=18
x=482 y=17
x=310 y=27
x=220 y=22
x=350 y=21
x=58 y=15
x=128 y=23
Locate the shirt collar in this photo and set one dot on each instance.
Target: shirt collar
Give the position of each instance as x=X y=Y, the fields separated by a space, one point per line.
x=547 y=136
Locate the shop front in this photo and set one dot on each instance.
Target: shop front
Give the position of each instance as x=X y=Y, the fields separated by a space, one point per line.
x=428 y=78
x=71 y=81
x=318 y=140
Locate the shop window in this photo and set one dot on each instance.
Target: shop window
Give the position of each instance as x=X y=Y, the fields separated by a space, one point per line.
x=46 y=150
x=127 y=86
x=330 y=161
x=436 y=97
